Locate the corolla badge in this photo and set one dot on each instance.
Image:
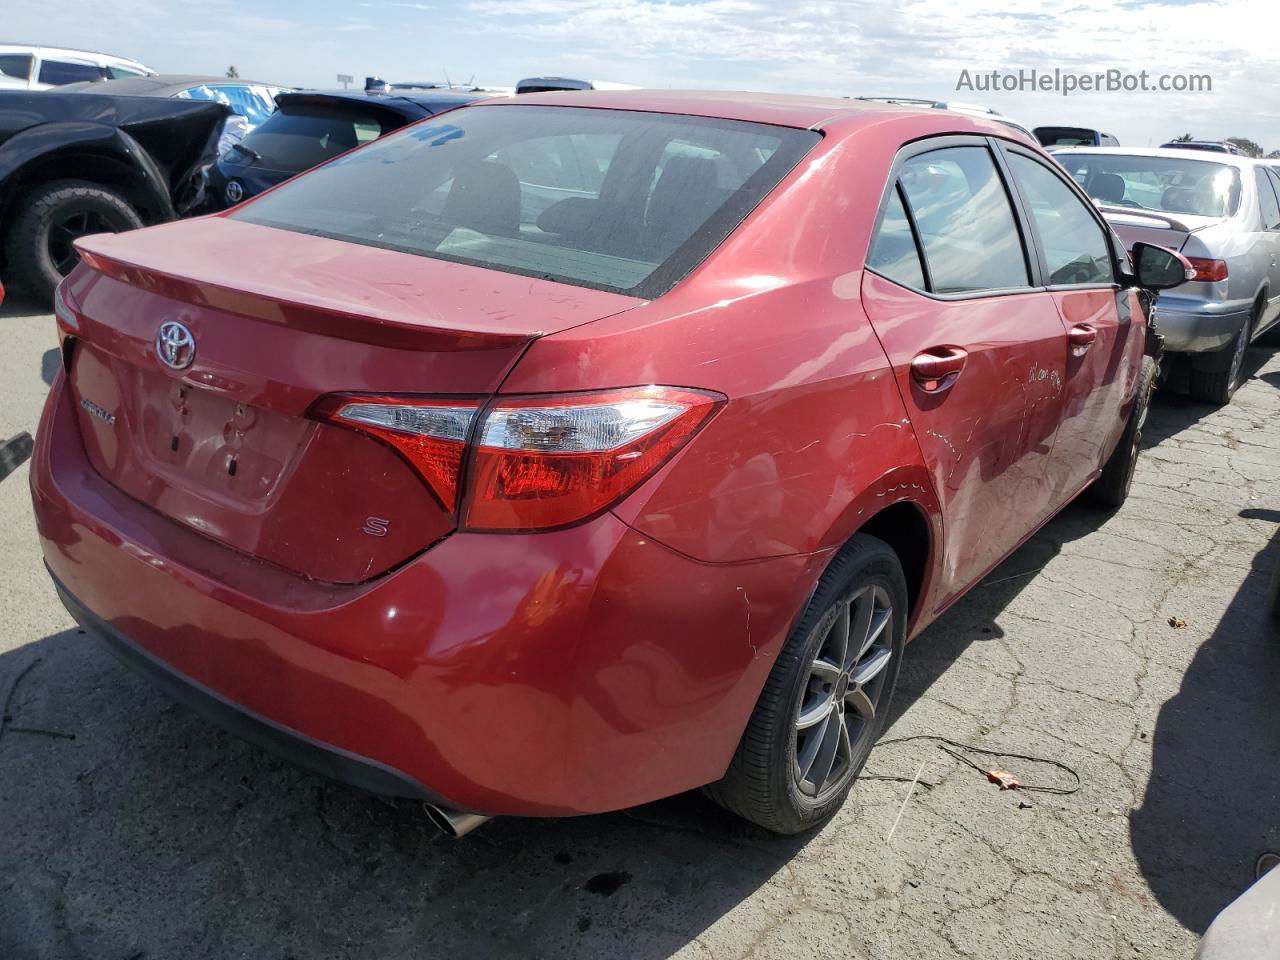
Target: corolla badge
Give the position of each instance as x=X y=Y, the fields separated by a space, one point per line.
x=175 y=346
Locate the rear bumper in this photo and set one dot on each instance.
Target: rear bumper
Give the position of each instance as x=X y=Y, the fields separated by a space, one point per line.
x=1199 y=326
x=569 y=672
x=297 y=747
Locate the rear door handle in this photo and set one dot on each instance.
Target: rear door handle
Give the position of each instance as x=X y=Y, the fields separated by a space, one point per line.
x=1081 y=338
x=937 y=368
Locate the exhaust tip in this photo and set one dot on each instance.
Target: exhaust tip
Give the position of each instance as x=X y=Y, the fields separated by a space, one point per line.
x=453 y=823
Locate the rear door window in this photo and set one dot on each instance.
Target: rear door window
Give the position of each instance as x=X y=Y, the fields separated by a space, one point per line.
x=17 y=65
x=965 y=221
x=1076 y=249
x=1268 y=201
x=1274 y=176
x=893 y=251
x=57 y=72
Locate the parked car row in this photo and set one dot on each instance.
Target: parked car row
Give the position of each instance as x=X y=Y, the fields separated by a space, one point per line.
x=577 y=449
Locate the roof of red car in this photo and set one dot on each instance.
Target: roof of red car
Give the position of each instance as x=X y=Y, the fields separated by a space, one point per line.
x=783 y=109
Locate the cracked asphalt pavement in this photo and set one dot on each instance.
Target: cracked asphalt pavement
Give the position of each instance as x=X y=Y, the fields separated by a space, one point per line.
x=153 y=835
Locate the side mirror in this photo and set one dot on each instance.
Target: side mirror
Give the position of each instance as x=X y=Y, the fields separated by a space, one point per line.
x=1159 y=268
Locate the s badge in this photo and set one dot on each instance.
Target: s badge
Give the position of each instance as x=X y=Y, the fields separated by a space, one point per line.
x=376 y=526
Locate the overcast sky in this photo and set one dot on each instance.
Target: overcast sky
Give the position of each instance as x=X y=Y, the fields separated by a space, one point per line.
x=842 y=47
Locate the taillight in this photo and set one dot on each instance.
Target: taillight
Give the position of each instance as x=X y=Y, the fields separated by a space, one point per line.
x=1208 y=271
x=548 y=461
x=430 y=433
x=536 y=462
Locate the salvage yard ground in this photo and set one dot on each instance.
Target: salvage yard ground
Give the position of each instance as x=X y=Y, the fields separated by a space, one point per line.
x=1133 y=648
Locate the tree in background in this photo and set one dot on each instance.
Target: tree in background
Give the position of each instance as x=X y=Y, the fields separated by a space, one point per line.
x=1274 y=155
x=1247 y=146
x=1184 y=138
x=232 y=72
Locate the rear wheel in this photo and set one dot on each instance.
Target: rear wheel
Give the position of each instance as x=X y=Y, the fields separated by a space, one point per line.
x=1215 y=377
x=1111 y=489
x=48 y=222
x=827 y=698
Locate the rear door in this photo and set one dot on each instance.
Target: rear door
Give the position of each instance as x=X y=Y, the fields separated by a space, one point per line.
x=978 y=349
x=1105 y=336
x=1269 y=200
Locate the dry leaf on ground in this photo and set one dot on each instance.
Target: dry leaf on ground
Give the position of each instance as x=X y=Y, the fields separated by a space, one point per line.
x=1007 y=780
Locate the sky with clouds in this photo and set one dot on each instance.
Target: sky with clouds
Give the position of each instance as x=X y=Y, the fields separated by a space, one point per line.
x=841 y=47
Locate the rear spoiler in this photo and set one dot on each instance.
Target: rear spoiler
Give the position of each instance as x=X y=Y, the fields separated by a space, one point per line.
x=1164 y=218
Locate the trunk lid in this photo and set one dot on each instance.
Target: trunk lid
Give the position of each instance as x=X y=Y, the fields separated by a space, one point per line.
x=278 y=320
x=1165 y=230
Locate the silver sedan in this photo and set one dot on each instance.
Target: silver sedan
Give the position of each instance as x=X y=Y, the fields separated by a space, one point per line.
x=1220 y=211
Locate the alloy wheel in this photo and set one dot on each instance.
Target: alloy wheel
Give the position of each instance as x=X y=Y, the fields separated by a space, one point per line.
x=69 y=228
x=837 y=709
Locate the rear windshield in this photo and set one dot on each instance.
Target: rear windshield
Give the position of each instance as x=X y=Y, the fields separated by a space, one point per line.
x=1201 y=188
x=1066 y=137
x=297 y=137
x=610 y=199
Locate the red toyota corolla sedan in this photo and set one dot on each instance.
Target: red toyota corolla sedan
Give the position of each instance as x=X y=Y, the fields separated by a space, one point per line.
x=556 y=455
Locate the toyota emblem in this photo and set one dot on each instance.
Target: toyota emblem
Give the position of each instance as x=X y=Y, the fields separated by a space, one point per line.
x=234 y=192
x=175 y=346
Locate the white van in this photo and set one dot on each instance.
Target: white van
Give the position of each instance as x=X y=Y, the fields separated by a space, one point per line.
x=24 y=67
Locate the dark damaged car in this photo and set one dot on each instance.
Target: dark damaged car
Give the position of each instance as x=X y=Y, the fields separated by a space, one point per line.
x=74 y=164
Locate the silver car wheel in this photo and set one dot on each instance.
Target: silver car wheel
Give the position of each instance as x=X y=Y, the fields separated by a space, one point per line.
x=837 y=709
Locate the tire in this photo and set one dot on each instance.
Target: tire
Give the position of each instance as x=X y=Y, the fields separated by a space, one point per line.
x=1215 y=377
x=53 y=214
x=863 y=588
x=1111 y=489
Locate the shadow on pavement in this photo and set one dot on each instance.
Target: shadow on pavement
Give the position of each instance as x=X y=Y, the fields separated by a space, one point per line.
x=19 y=306
x=1212 y=803
x=50 y=362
